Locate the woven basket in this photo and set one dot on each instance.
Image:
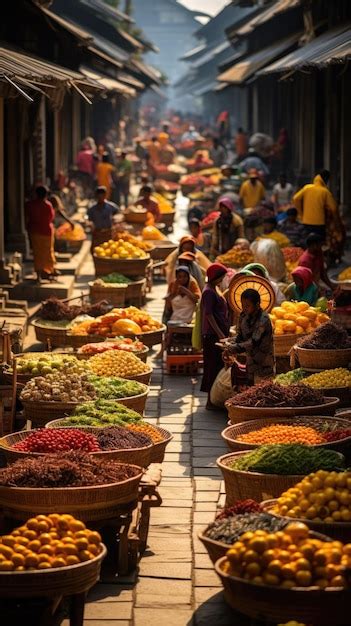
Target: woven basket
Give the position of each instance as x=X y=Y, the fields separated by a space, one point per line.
x=216 y=549
x=323 y=359
x=238 y=414
x=87 y=503
x=168 y=218
x=134 y=456
x=131 y=217
x=159 y=449
x=62 y=581
x=127 y=267
x=162 y=249
x=39 y=413
x=136 y=289
x=141 y=378
x=116 y=294
x=284 y=343
x=274 y=604
x=56 y=336
x=240 y=485
x=341 y=531
x=231 y=434
x=137 y=403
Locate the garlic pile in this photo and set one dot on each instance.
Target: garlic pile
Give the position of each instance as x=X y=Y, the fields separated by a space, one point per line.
x=59 y=387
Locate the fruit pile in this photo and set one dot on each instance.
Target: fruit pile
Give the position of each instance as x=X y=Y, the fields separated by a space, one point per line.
x=119 y=250
x=129 y=320
x=46 y=542
x=112 y=388
x=152 y=233
x=59 y=387
x=291 y=256
x=65 y=233
x=163 y=205
x=290 y=378
x=46 y=363
x=338 y=377
x=47 y=440
x=138 y=243
x=120 y=343
x=345 y=274
x=321 y=496
x=288 y=558
x=283 y=433
x=296 y=318
x=147 y=429
x=236 y=257
x=288 y=460
x=117 y=363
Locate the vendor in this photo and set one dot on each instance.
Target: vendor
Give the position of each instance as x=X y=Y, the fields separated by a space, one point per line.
x=101 y=215
x=183 y=294
x=293 y=229
x=227 y=228
x=189 y=259
x=252 y=191
x=186 y=244
x=313 y=259
x=303 y=289
x=254 y=339
x=149 y=203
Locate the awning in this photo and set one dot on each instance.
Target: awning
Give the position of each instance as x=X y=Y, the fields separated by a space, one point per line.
x=108 y=83
x=212 y=53
x=106 y=10
x=332 y=47
x=244 y=69
x=194 y=52
x=76 y=31
x=130 y=80
x=207 y=86
x=279 y=7
x=146 y=70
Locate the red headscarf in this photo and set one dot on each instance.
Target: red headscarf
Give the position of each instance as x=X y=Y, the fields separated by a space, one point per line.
x=227 y=202
x=216 y=270
x=305 y=274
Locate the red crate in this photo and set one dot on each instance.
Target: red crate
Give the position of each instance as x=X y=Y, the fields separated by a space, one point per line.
x=184 y=364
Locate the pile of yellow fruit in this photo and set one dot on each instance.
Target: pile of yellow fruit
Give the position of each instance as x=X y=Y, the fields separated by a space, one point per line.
x=338 y=377
x=152 y=233
x=117 y=363
x=134 y=241
x=119 y=250
x=320 y=497
x=345 y=274
x=118 y=322
x=289 y=558
x=296 y=318
x=163 y=204
x=48 y=541
x=236 y=257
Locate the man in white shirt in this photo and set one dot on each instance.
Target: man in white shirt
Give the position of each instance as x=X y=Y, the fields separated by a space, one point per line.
x=282 y=193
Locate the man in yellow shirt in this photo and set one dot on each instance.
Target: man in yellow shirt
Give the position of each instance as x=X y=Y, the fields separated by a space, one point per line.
x=252 y=191
x=313 y=202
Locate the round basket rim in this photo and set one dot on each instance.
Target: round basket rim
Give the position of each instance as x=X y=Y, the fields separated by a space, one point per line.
x=36 y=323
x=269 y=503
x=316 y=350
x=163 y=328
x=121 y=286
x=221 y=465
x=331 y=400
x=55 y=570
x=109 y=259
x=262 y=284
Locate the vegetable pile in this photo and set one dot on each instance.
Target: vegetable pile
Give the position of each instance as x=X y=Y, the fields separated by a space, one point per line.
x=146 y=429
x=321 y=496
x=120 y=343
x=48 y=541
x=68 y=469
x=113 y=279
x=117 y=363
x=54 y=309
x=329 y=336
x=288 y=558
x=288 y=460
x=283 y=433
x=47 y=440
x=112 y=388
x=338 y=377
x=296 y=318
x=101 y=413
x=229 y=529
x=290 y=378
x=272 y=395
x=116 y=437
x=59 y=387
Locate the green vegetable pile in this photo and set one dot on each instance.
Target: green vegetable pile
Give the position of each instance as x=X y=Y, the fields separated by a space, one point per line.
x=102 y=412
x=290 y=378
x=115 y=277
x=289 y=459
x=112 y=388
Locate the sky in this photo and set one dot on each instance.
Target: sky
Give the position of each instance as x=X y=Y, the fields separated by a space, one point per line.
x=208 y=6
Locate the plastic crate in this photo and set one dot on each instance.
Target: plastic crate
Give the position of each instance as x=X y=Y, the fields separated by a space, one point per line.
x=184 y=365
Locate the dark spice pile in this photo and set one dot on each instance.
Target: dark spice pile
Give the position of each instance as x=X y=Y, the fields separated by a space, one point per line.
x=69 y=469
x=121 y=438
x=272 y=395
x=230 y=529
x=328 y=336
x=55 y=310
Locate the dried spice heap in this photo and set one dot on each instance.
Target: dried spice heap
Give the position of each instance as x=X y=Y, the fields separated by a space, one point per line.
x=273 y=395
x=121 y=438
x=329 y=336
x=55 y=310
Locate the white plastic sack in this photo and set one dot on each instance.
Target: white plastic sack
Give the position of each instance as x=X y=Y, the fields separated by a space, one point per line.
x=268 y=253
x=222 y=388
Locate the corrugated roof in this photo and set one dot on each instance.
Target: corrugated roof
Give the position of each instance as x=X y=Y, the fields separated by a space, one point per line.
x=244 y=69
x=279 y=7
x=334 y=46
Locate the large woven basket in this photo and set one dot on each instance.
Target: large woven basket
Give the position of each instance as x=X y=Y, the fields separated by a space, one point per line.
x=141 y=378
x=131 y=217
x=168 y=218
x=127 y=267
x=240 y=485
x=115 y=294
x=216 y=549
x=162 y=249
x=324 y=607
x=55 y=336
x=136 y=289
x=87 y=503
x=284 y=343
x=39 y=413
x=238 y=414
x=323 y=359
x=341 y=531
x=159 y=449
x=137 y=403
x=141 y=354
x=62 y=581
x=231 y=433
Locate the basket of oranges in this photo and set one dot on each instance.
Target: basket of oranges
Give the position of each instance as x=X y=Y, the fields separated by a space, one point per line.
x=292 y=320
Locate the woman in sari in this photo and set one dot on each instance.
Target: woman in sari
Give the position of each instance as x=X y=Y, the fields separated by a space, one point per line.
x=40 y=215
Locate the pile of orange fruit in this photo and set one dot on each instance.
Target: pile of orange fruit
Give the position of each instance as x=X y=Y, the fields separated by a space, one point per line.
x=283 y=433
x=130 y=320
x=296 y=318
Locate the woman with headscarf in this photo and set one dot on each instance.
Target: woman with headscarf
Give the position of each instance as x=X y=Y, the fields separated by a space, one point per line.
x=215 y=326
x=186 y=244
x=189 y=260
x=227 y=228
x=261 y=270
x=183 y=294
x=303 y=289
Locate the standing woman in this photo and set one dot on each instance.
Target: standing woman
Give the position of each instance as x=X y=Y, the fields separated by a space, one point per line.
x=227 y=228
x=40 y=216
x=215 y=325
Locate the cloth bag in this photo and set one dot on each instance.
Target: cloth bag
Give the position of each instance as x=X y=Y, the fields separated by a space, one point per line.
x=183 y=309
x=222 y=388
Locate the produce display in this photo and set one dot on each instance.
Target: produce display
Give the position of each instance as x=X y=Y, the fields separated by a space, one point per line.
x=321 y=496
x=329 y=336
x=238 y=256
x=147 y=429
x=120 y=343
x=138 y=243
x=288 y=558
x=240 y=506
x=288 y=460
x=100 y=413
x=66 y=469
x=66 y=233
x=152 y=233
x=283 y=433
x=119 y=321
x=345 y=274
x=59 y=387
x=46 y=542
x=47 y=363
x=296 y=318
x=338 y=377
x=163 y=204
x=209 y=220
x=117 y=363
x=115 y=278
x=46 y=440
x=55 y=310
x=291 y=256
x=118 y=438
x=119 y=250
x=230 y=529
x=112 y=388
x=269 y=394
x=290 y=378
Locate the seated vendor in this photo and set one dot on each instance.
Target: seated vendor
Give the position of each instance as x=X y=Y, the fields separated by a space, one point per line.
x=183 y=294
x=303 y=289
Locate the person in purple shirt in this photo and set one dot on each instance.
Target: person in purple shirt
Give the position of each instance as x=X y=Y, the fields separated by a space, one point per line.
x=215 y=325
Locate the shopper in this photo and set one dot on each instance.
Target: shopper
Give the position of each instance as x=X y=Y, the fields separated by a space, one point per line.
x=252 y=191
x=227 y=228
x=40 y=215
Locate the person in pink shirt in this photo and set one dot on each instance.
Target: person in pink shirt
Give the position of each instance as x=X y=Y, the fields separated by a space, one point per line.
x=86 y=166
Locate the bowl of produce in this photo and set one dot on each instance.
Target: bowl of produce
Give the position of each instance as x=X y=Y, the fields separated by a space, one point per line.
x=51 y=333
x=120 y=363
x=118 y=343
x=71 y=237
x=110 y=443
x=291 y=319
x=98 y=414
x=288 y=582
x=322 y=500
x=115 y=293
x=268 y=399
x=320 y=350
x=128 y=392
x=31 y=364
x=51 y=568
x=120 y=256
x=271 y=469
x=67 y=482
